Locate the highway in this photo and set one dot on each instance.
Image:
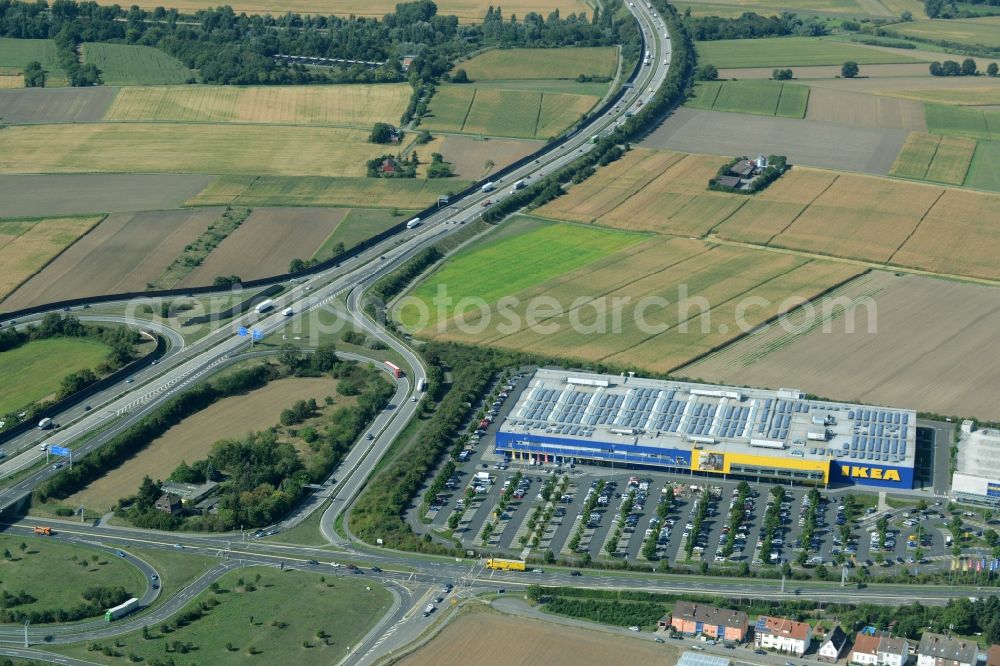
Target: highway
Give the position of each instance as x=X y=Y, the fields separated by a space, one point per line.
x=410 y=576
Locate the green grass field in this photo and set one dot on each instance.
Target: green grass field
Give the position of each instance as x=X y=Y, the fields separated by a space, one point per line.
x=16 y=53
x=984 y=172
x=508 y=261
x=506 y=112
x=39 y=366
x=943 y=159
x=127 y=65
x=403 y=193
x=766 y=8
x=56 y=574
x=764 y=98
x=290 y=610
x=360 y=224
x=959 y=121
x=565 y=63
x=790 y=52
x=973 y=31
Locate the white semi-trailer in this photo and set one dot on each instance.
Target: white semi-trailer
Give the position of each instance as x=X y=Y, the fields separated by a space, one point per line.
x=264 y=306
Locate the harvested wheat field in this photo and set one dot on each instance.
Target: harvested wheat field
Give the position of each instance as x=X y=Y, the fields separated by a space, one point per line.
x=353 y=105
x=121 y=254
x=861 y=110
x=33 y=106
x=496 y=638
x=27 y=245
x=952 y=367
x=191 y=439
x=266 y=243
x=469 y=155
x=185 y=148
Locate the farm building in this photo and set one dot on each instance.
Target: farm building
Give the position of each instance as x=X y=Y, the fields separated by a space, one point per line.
x=708 y=430
x=977 y=475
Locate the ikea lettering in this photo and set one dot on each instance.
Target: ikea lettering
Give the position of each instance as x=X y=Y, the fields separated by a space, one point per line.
x=856 y=472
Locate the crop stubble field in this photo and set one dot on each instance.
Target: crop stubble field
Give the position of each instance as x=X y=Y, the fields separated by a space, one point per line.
x=252 y=191
x=818 y=212
x=36 y=106
x=488 y=635
x=861 y=110
x=266 y=243
x=193 y=438
x=26 y=246
x=343 y=105
x=935 y=158
x=589 y=273
x=122 y=253
x=564 y=63
x=933 y=371
x=191 y=148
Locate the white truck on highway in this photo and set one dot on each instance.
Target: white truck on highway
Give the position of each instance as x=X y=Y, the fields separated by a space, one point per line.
x=415 y=222
x=488 y=187
x=287 y=312
x=45 y=423
x=264 y=306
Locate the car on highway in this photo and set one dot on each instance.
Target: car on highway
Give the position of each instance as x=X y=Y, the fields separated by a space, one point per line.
x=659 y=640
x=57 y=465
x=130 y=380
x=633 y=628
x=575 y=573
x=178 y=546
x=376 y=569
x=120 y=553
x=312 y=563
x=154 y=577
x=759 y=652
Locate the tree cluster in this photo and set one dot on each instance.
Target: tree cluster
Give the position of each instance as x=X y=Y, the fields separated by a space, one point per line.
x=952 y=68
x=393 y=166
x=753 y=26
x=438 y=168
x=34 y=75
x=782 y=75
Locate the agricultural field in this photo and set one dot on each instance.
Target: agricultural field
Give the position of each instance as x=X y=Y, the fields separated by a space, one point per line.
x=982 y=96
x=474 y=157
x=38 y=106
x=503 y=112
x=26 y=246
x=289 y=610
x=835 y=354
x=565 y=63
x=972 y=31
x=30 y=195
x=341 y=105
x=803 y=142
x=735 y=8
x=267 y=242
x=631 y=304
x=15 y=54
x=984 y=172
x=186 y=148
x=31 y=570
x=959 y=121
x=11 y=81
x=659 y=191
x=40 y=366
x=764 y=98
x=790 y=52
x=120 y=254
x=193 y=438
x=133 y=65
x=254 y=191
x=487 y=634
x=467 y=11
x=359 y=225
x=935 y=158
x=858 y=110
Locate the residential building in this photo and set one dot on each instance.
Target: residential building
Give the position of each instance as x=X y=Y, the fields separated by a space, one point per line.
x=879 y=650
x=169 y=504
x=941 y=650
x=833 y=645
x=694 y=618
x=782 y=634
x=993 y=656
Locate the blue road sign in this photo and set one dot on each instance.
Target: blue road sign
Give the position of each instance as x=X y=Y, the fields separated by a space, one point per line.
x=258 y=335
x=242 y=331
x=59 y=451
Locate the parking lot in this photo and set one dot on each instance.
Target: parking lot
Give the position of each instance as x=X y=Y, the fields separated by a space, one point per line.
x=518 y=508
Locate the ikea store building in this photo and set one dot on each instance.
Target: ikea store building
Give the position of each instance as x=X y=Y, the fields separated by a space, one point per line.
x=709 y=430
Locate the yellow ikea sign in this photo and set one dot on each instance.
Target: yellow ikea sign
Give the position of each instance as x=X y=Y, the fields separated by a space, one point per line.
x=856 y=472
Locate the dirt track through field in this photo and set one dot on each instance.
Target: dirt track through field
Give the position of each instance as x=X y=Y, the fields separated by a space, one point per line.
x=266 y=243
x=513 y=641
x=951 y=367
x=121 y=254
x=37 y=106
x=193 y=438
x=804 y=142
